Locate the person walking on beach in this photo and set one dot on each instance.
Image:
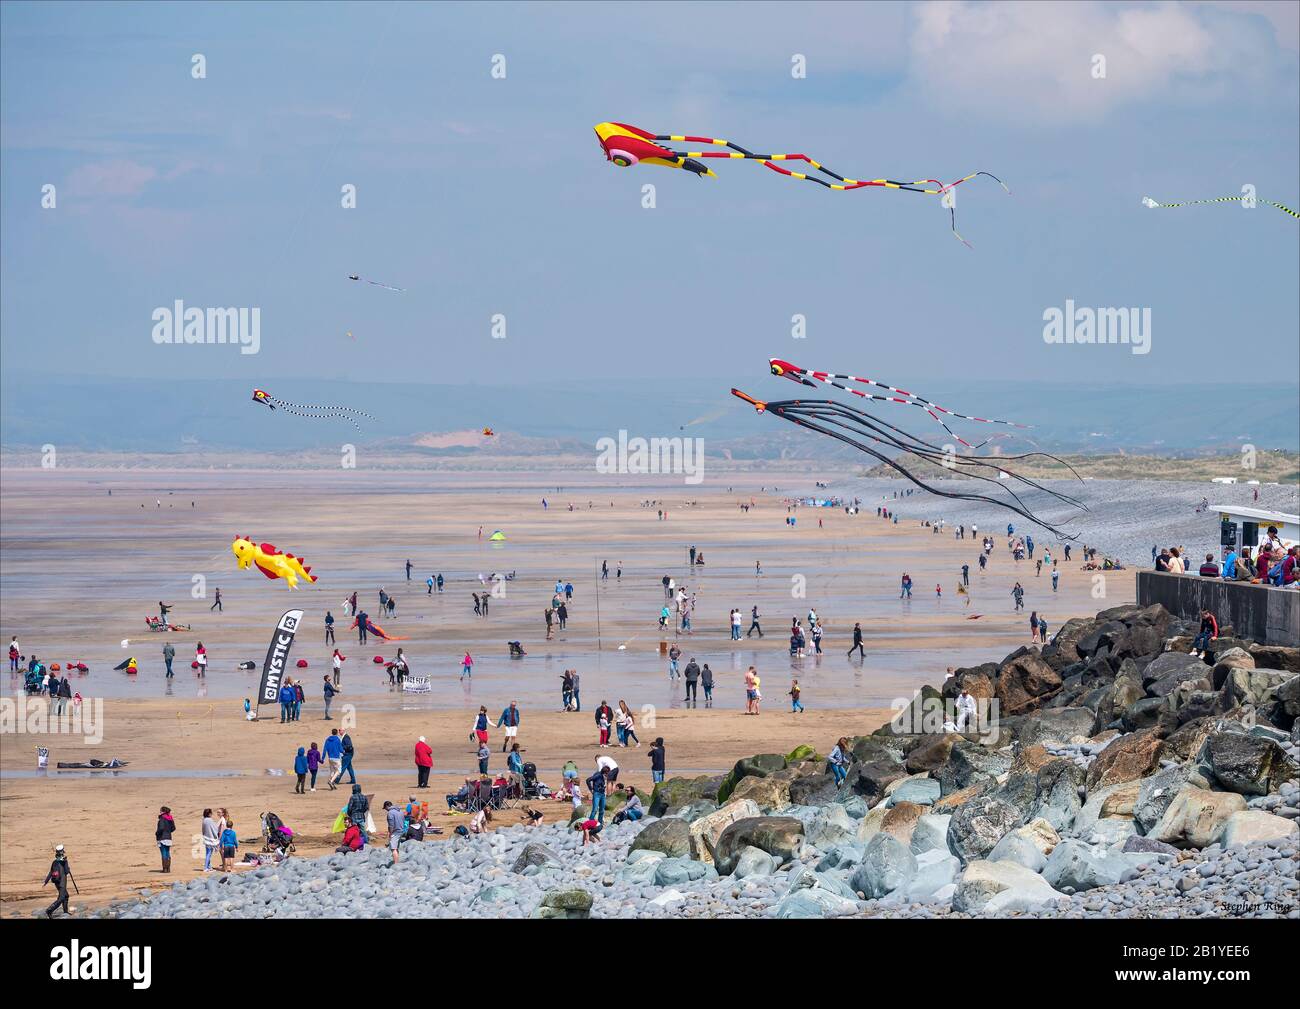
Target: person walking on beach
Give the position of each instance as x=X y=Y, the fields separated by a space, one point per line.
x=313 y=764
x=796 y=706
x=429 y=583
x=286 y=702
x=201 y=657
x=337 y=660
x=692 y=678
x=408 y=569
x=753 y=622
x=163 y=835
x=626 y=725
x=706 y=681
x=60 y=875
x=217 y=604
x=674 y=653
x=751 y=675
x=329 y=628
x=1033 y=627
x=229 y=845
x=14 y=654
x=577 y=689
x=905 y=586
x=549 y=614
x=604 y=718
x=566 y=690
x=562 y=615
x=965 y=574
x=467 y=666
x=481 y=723
x=362 y=619
x=333 y=757
x=169 y=654
x=478 y=609
x=1056 y=577
x=1019 y=593
x=510 y=719
x=211 y=839
x=423 y=762
x=349 y=751
x=300 y=769
x=857 y=642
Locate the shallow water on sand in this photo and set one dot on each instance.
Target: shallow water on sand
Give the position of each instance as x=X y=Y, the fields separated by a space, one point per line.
x=80 y=570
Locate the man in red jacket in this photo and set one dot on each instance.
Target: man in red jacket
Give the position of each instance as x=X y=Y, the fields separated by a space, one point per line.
x=423 y=763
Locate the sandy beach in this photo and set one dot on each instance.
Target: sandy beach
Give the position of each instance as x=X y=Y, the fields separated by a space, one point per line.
x=82 y=568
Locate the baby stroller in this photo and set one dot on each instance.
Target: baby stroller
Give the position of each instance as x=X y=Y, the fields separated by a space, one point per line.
x=516 y=650
x=275 y=835
x=533 y=789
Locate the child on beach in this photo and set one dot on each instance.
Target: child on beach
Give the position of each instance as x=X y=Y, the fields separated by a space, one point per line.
x=484 y=755
x=467 y=666
x=590 y=831
x=229 y=844
x=604 y=729
x=300 y=769
x=795 y=705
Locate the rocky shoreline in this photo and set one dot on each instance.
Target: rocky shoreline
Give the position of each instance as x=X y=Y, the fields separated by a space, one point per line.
x=1114 y=775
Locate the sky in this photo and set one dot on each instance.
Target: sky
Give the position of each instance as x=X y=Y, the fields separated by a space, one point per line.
x=486 y=196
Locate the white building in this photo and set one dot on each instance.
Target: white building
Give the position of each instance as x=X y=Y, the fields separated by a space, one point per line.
x=1249 y=526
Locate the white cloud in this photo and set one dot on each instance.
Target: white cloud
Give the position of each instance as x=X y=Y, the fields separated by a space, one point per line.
x=1035 y=60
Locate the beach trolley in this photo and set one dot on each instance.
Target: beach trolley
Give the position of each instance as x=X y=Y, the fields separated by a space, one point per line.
x=417 y=684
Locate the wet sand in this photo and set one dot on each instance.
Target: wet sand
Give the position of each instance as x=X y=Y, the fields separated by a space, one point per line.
x=81 y=569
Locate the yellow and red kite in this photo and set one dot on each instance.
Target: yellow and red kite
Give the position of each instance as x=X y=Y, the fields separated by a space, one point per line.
x=626 y=146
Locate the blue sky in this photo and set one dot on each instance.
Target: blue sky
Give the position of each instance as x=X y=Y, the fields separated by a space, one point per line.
x=484 y=196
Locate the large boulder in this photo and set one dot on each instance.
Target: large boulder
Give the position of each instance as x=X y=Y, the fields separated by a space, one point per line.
x=832 y=825
x=814 y=790
x=1255 y=826
x=677 y=871
x=1251 y=765
x=670 y=837
x=814 y=903
x=1278 y=657
x=1056 y=793
x=1026 y=846
x=886 y=865
x=1250 y=686
x=1024 y=683
x=759 y=766
x=981 y=882
x=1064 y=651
x=536 y=853
x=931 y=753
x=930 y=833
x=781 y=836
x=1075 y=866
x=1157 y=792
x=953 y=800
x=1125 y=691
x=969 y=764
x=705 y=830
x=754 y=862
x=900 y=820
x=767 y=792
x=935 y=871
x=1126 y=759
x=677 y=792
x=567 y=903
x=921 y=791
x=1172 y=667
x=1057 y=725
x=870 y=779
x=1195 y=817
x=978 y=825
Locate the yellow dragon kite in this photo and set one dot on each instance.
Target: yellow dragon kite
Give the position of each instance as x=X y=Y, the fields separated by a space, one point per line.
x=270 y=561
